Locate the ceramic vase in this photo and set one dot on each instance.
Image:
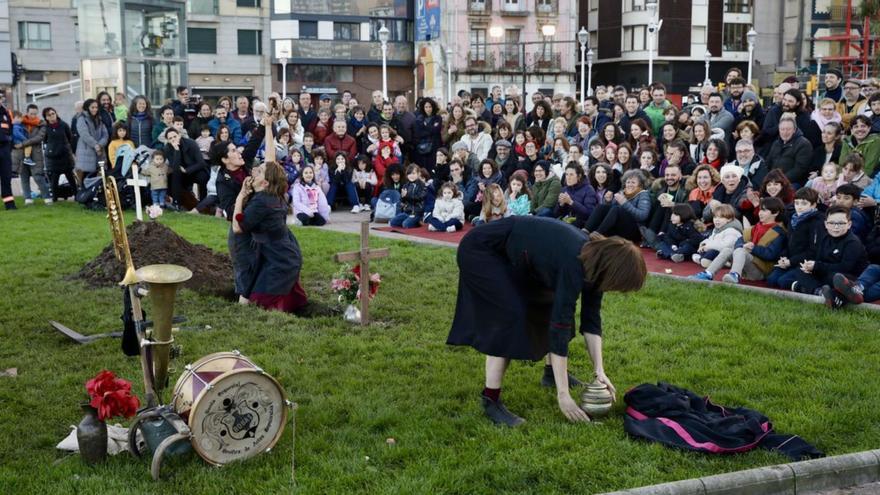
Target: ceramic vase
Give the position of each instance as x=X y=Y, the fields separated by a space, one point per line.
x=352 y=314
x=596 y=400
x=91 y=434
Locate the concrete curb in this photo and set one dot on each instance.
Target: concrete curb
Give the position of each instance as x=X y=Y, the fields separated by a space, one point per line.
x=804 y=477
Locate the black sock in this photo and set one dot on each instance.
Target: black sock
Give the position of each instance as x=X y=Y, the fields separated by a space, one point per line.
x=492 y=393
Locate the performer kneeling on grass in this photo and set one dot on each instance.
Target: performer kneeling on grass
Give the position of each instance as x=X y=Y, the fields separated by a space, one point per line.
x=272 y=279
x=519 y=282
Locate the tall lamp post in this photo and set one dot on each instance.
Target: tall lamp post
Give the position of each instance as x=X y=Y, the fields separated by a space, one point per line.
x=751 y=36
x=384 y=34
x=583 y=37
x=819 y=82
x=590 y=72
x=283 y=59
x=448 y=74
x=708 y=57
x=653 y=28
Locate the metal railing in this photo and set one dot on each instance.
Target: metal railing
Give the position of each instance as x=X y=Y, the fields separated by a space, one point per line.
x=47 y=91
x=546 y=7
x=479 y=7
x=510 y=60
x=517 y=9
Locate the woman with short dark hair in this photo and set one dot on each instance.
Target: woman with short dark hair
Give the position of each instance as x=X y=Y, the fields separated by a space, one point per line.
x=427 y=131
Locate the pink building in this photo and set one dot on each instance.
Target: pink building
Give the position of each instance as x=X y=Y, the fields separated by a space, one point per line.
x=485 y=40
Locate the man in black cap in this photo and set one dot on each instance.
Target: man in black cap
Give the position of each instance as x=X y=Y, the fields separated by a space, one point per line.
x=325 y=103
x=833 y=90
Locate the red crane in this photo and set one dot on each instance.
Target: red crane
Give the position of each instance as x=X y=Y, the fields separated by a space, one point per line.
x=856 y=48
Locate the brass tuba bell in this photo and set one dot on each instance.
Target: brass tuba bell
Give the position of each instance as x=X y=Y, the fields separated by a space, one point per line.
x=163 y=281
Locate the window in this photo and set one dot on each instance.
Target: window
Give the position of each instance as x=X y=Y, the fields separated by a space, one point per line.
x=35 y=76
x=634 y=38
x=319 y=73
x=512 y=50
x=34 y=35
x=347 y=31
x=247 y=3
x=734 y=38
x=250 y=42
x=308 y=30
x=738 y=6
x=633 y=5
x=201 y=40
x=399 y=29
x=698 y=35
x=478 y=45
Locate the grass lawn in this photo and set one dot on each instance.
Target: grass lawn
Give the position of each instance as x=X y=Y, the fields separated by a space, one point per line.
x=811 y=371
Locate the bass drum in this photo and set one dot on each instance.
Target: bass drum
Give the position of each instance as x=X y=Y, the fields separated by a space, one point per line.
x=241 y=415
x=199 y=375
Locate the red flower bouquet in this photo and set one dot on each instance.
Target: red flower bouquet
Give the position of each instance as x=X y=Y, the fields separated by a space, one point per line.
x=111 y=396
x=347 y=284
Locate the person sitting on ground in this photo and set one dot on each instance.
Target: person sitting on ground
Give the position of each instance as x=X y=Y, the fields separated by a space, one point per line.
x=494 y=206
x=804 y=232
x=726 y=234
x=412 y=198
x=840 y=251
x=754 y=167
x=448 y=214
x=826 y=182
x=545 y=190
x=732 y=191
x=309 y=202
x=519 y=197
x=605 y=181
x=681 y=238
x=847 y=196
x=791 y=152
x=763 y=244
x=665 y=193
x=853 y=172
x=577 y=200
x=340 y=179
x=628 y=210
x=187 y=166
x=775 y=185
x=364 y=180
x=864 y=142
x=716 y=153
x=867 y=287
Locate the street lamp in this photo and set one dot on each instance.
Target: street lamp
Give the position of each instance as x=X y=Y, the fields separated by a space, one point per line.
x=590 y=72
x=449 y=74
x=818 y=78
x=384 y=34
x=285 y=53
x=708 y=58
x=583 y=37
x=653 y=28
x=751 y=36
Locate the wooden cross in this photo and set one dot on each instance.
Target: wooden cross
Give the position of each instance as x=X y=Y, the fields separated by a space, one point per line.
x=363 y=258
x=138 y=183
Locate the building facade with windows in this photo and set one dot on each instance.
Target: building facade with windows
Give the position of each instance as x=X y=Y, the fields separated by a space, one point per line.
x=620 y=39
x=515 y=44
x=333 y=45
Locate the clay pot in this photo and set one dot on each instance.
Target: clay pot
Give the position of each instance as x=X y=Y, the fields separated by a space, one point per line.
x=596 y=400
x=91 y=434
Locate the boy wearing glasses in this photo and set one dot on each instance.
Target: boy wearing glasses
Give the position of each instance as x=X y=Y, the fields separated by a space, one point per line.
x=840 y=251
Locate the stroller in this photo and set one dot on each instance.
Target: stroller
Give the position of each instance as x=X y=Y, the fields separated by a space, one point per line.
x=91 y=196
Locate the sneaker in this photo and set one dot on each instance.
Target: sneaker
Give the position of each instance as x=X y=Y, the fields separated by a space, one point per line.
x=29 y=162
x=549 y=381
x=704 y=275
x=851 y=291
x=499 y=414
x=10 y=205
x=356 y=209
x=705 y=262
x=451 y=228
x=696 y=258
x=431 y=228
x=659 y=255
x=365 y=207
x=731 y=278
x=677 y=258
x=28 y=202
x=833 y=299
x=794 y=286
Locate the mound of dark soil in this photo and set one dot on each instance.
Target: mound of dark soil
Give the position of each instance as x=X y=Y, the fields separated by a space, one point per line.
x=153 y=243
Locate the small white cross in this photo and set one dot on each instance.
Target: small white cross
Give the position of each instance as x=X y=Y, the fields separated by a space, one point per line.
x=138 y=183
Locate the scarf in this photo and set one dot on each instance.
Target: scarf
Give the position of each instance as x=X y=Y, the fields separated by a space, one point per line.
x=30 y=122
x=703 y=197
x=760 y=229
x=798 y=218
x=632 y=195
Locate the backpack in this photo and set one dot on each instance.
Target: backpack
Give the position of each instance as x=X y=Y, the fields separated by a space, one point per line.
x=387 y=205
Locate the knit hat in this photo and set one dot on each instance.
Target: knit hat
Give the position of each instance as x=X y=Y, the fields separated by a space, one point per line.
x=544 y=164
x=502 y=142
x=836 y=72
x=611 y=145
x=459 y=146
x=749 y=96
x=732 y=168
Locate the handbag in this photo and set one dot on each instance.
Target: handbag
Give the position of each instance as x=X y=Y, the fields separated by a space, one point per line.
x=424 y=147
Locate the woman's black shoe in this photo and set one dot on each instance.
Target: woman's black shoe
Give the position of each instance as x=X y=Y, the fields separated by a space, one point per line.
x=499 y=414
x=548 y=380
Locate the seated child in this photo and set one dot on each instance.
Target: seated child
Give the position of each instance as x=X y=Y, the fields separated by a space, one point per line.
x=864 y=289
x=805 y=230
x=412 y=197
x=847 y=196
x=854 y=171
x=448 y=211
x=519 y=197
x=494 y=205
x=764 y=243
x=681 y=239
x=826 y=183
x=840 y=251
x=365 y=180
x=309 y=203
x=726 y=234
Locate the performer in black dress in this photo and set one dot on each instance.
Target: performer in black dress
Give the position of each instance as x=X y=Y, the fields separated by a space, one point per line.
x=519 y=282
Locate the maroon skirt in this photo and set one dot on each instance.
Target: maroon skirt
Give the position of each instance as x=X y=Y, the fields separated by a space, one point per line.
x=290 y=302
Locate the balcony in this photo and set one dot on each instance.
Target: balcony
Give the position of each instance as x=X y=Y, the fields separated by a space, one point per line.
x=479 y=7
x=547 y=7
x=202 y=7
x=515 y=9
x=348 y=52
x=510 y=60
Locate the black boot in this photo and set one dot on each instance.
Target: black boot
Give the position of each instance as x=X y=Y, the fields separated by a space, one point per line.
x=499 y=414
x=10 y=205
x=548 y=380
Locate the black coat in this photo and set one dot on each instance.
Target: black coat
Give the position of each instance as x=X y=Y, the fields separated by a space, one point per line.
x=519 y=283
x=189 y=156
x=413 y=203
x=872 y=244
x=819 y=157
x=683 y=233
x=804 y=237
x=227 y=190
x=845 y=254
x=276 y=259
x=59 y=151
x=793 y=158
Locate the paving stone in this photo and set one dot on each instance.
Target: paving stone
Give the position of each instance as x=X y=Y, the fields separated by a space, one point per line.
x=836 y=472
x=684 y=487
x=772 y=480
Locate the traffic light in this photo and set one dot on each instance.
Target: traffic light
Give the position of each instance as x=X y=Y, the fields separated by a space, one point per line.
x=17 y=70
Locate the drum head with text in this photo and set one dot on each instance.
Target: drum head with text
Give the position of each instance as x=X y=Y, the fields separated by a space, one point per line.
x=241 y=415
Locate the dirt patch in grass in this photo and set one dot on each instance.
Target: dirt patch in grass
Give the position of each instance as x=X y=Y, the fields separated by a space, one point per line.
x=154 y=243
